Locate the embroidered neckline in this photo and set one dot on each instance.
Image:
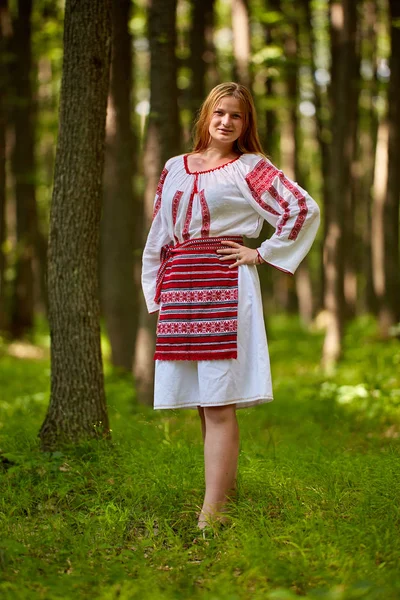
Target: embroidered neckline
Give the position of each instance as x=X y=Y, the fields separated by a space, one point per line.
x=189 y=172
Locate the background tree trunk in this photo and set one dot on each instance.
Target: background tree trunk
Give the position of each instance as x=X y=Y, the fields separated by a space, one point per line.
x=202 y=53
x=241 y=42
x=24 y=173
x=5 y=35
x=120 y=298
x=162 y=142
x=389 y=310
x=77 y=404
x=343 y=31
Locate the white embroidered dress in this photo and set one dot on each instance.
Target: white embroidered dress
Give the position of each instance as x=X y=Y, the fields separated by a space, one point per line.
x=230 y=200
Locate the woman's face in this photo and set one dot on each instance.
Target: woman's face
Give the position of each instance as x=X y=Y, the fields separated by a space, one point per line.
x=226 y=122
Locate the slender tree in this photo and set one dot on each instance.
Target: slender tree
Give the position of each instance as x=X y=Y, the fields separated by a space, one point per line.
x=24 y=172
x=343 y=38
x=202 y=52
x=389 y=311
x=77 y=404
x=241 y=42
x=5 y=35
x=162 y=142
x=119 y=294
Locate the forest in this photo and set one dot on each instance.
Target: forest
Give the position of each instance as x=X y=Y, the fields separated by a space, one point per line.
x=97 y=489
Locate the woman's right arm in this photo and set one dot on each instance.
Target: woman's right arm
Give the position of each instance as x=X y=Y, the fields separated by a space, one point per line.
x=157 y=238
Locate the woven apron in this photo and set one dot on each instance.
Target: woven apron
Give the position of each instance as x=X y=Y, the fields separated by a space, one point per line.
x=198 y=297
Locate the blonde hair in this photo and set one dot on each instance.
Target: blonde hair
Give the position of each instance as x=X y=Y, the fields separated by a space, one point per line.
x=248 y=141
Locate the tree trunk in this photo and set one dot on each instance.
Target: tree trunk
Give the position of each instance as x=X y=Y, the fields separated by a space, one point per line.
x=241 y=42
x=24 y=173
x=162 y=142
x=322 y=132
x=120 y=298
x=5 y=34
x=389 y=311
x=368 y=140
x=77 y=407
x=202 y=52
x=343 y=32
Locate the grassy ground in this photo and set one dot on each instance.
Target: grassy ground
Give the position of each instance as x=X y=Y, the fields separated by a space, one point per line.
x=318 y=509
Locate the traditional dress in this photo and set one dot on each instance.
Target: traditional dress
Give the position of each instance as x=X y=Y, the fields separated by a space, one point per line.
x=208 y=311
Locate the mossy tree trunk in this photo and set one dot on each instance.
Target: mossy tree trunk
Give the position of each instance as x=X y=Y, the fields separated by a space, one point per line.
x=77 y=407
x=162 y=142
x=119 y=294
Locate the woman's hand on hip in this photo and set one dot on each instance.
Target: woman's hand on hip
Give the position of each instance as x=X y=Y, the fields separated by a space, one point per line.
x=242 y=254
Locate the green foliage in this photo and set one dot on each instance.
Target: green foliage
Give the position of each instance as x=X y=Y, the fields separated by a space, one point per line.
x=317 y=514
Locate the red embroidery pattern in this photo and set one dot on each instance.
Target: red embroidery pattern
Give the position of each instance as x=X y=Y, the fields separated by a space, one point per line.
x=175 y=203
x=157 y=207
x=198 y=297
x=194 y=296
x=185 y=231
x=284 y=204
x=205 y=228
x=159 y=190
x=259 y=180
x=301 y=200
x=197 y=327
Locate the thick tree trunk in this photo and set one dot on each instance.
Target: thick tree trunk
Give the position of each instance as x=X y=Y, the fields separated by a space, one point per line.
x=120 y=298
x=24 y=173
x=202 y=51
x=343 y=32
x=241 y=42
x=77 y=405
x=162 y=142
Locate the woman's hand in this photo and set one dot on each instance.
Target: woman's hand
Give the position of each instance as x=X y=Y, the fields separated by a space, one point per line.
x=243 y=255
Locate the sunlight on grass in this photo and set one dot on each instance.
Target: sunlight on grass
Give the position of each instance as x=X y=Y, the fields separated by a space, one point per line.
x=317 y=513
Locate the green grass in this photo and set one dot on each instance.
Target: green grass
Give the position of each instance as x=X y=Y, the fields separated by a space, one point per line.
x=318 y=512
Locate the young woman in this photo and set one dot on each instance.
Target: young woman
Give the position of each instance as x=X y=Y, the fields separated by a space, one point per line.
x=211 y=348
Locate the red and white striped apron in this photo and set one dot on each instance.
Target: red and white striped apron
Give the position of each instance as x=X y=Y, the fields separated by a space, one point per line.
x=198 y=297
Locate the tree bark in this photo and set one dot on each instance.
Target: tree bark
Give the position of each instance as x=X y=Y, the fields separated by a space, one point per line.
x=5 y=35
x=241 y=42
x=343 y=32
x=23 y=164
x=120 y=298
x=389 y=311
x=162 y=142
x=202 y=52
x=77 y=407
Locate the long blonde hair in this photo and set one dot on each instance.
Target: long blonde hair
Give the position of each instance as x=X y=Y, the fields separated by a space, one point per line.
x=248 y=142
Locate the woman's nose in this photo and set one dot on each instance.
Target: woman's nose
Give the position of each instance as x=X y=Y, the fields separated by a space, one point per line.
x=226 y=120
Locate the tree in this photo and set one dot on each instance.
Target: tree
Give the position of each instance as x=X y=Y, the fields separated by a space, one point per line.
x=389 y=310
x=24 y=172
x=202 y=52
x=119 y=294
x=77 y=404
x=241 y=42
x=5 y=35
x=162 y=142
x=343 y=39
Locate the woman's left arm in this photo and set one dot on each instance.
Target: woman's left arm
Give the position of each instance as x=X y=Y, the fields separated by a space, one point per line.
x=289 y=208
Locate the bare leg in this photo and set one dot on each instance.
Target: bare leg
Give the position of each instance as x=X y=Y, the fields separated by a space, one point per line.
x=221 y=449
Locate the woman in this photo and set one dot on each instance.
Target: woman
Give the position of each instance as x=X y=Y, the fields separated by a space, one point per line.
x=211 y=350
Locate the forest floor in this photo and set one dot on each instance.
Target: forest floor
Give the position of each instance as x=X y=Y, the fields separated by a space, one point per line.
x=318 y=512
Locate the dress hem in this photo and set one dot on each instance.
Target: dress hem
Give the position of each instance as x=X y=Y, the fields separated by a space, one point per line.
x=247 y=402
